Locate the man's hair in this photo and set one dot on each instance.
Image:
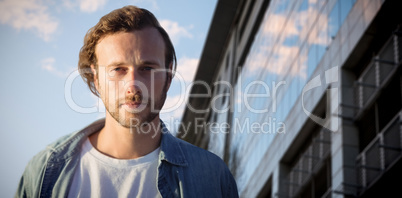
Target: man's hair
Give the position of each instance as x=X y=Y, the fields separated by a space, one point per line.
x=126 y=19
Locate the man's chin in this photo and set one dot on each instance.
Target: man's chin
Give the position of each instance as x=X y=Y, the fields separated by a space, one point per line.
x=134 y=109
x=135 y=120
x=131 y=121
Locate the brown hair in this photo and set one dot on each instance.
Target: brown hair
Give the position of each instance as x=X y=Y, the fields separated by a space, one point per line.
x=125 y=19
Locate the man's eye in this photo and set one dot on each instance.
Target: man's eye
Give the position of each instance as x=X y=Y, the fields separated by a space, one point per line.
x=118 y=69
x=147 y=68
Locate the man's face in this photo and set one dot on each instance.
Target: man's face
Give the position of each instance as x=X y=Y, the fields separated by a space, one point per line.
x=131 y=77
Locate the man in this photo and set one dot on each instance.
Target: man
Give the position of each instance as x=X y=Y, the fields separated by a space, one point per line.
x=126 y=60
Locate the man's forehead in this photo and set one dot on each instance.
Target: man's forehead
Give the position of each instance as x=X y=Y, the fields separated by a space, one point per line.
x=148 y=36
x=151 y=32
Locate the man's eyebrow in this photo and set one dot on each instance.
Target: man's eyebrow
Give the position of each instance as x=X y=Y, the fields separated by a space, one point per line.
x=148 y=62
x=144 y=62
x=114 y=64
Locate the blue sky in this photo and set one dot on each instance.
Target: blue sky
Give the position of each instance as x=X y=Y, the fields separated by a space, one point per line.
x=43 y=98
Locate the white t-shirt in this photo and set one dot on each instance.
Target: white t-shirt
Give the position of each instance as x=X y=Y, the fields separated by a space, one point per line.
x=101 y=176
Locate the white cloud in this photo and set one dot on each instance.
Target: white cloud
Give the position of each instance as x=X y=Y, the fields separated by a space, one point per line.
x=276 y=65
x=87 y=6
x=172 y=116
x=186 y=68
x=91 y=5
x=175 y=31
x=279 y=63
x=69 y=4
x=28 y=15
x=274 y=26
x=275 y=55
x=48 y=65
x=174 y=105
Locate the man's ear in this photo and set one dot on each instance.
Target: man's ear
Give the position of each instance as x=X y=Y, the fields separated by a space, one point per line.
x=95 y=74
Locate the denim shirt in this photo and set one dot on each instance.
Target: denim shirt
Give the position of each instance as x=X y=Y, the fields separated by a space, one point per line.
x=184 y=170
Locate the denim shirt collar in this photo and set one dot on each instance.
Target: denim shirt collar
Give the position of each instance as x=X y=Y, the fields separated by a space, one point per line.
x=171 y=151
x=170 y=148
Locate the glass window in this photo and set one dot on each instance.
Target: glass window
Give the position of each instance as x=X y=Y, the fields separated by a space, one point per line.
x=323 y=40
x=286 y=106
x=311 y=60
x=334 y=22
x=290 y=41
x=293 y=92
x=282 y=6
x=320 y=52
x=302 y=70
x=301 y=19
x=279 y=111
x=303 y=6
x=346 y=6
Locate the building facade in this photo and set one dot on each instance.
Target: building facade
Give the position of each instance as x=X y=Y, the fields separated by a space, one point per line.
x=302 y=98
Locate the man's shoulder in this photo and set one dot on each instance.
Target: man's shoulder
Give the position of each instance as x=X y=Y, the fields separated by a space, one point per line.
x=54 y=153
x=70 y=142
x=62 y=140
x=197 y=155
x=45 y=153
x=210 y=167
x=67 y=145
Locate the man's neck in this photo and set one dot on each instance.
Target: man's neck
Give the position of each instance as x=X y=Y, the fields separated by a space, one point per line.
x=119 y=142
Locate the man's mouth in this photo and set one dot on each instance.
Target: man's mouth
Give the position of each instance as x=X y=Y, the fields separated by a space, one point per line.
x=134 y=103
x=137 y=98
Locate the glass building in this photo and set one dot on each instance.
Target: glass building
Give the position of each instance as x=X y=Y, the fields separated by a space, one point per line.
x=302 y=98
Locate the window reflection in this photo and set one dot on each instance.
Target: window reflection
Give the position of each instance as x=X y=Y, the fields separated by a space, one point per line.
x=293 y=38
x=334 y=22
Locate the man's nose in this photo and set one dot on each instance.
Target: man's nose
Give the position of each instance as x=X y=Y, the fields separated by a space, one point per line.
x=132 y=89
x=132 y=82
